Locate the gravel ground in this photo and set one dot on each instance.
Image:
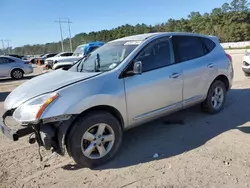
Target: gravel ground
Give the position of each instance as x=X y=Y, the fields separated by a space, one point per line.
x=192 y=149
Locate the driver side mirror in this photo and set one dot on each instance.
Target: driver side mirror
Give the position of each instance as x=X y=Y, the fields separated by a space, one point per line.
x=137 y=67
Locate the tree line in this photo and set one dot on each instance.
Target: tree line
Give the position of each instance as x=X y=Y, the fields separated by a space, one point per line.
x=230 y=22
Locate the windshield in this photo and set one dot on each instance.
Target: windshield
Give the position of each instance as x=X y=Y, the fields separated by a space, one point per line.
x=79 y=51
x=106 y=57
x=58 y=55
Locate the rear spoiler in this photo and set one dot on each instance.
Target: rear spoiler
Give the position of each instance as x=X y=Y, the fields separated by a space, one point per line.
x=215 y=39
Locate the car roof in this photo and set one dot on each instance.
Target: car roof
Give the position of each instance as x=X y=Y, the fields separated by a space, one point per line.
x=92 y=43
x=11 y=57
x=145 y=36
x=64 y=52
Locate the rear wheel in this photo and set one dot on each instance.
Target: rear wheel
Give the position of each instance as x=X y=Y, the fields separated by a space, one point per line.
x=215 y=99
x=17 y=74
x=94 y=139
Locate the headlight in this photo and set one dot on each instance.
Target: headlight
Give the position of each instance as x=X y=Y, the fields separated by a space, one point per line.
x=32 y=110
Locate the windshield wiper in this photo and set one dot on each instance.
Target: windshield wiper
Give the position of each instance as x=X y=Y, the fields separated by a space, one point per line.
x=82 y=62
x=97 y=63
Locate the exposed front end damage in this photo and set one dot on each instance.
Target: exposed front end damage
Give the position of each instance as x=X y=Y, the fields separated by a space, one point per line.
x=49 y=133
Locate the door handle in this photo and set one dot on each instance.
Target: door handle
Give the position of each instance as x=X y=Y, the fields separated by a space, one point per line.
x=211 y=65
x=174 y=75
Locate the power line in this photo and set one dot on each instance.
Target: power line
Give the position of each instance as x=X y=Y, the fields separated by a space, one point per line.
x=60 y=21
x=8 y=44
x=3 y=45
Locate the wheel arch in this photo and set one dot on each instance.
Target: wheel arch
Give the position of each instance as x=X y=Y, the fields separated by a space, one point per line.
x=64 y=129
x=112 y=110
x=15 y=68
x=223 y=79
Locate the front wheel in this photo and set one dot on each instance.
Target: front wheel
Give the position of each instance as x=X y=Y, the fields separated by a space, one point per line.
x=94 y=139
x=216 y=98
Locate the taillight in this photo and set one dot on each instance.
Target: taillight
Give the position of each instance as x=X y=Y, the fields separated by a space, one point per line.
x=27 y=62
x=229 y=57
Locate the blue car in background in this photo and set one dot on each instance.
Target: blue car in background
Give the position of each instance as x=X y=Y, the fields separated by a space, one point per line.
x=80 y=52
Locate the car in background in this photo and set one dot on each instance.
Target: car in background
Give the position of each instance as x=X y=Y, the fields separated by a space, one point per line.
x=14 y=67
x=124 y=83
x=26 y=58
x=44 y=57
x=15 y=55
x=246 y=63
x=50 y=61
x=33 y=59
x=80 y=52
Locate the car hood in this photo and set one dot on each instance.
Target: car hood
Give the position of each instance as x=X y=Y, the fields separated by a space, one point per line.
x=45 y=83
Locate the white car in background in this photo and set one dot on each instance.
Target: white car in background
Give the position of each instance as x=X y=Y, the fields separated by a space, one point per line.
x=77 y=55
x=246 y=63
x=80 y=52
x=14 y=67
x=50 y=61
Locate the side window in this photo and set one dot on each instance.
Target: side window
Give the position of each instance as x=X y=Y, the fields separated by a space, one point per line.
x=209 y=44
x=4 y=60
x=156 y=55
x=188 y=47
x=50 y=55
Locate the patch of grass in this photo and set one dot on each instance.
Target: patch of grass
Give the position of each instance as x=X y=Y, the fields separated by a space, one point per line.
x=247 y=47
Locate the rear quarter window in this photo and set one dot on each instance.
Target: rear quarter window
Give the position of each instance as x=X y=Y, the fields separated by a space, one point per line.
x=209 y=44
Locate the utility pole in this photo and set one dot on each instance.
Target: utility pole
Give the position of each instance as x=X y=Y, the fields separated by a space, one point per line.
x=60 y=26
x=70 y=42
x=3 y=47
x=8 y=45
x=62 y=20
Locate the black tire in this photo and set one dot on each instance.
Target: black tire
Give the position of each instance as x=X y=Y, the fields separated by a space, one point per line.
x=247 y=74
x=17 y=74
x=83 y=124
x=207 y=106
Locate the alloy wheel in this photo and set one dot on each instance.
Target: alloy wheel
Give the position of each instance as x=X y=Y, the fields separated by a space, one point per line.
x=217 y=97
x=97 y=141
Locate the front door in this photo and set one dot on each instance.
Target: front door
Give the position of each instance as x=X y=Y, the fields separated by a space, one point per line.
x=158 y=89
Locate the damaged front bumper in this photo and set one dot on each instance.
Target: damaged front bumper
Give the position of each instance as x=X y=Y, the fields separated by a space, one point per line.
x=13 y=134
x=47 y=134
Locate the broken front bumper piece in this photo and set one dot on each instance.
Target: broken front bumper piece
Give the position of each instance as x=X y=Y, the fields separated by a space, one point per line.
x=50 y=133
x=13 y=134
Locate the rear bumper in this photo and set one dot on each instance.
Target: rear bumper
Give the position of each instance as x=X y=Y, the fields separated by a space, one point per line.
x=28 y=70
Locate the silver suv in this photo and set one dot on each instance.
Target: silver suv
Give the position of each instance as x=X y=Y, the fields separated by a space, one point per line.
x=125 y=83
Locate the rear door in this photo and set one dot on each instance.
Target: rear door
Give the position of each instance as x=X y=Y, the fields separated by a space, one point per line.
x=5 y=66
x=199 y=67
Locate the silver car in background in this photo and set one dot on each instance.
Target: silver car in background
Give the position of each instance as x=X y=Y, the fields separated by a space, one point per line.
x=14 y=67
x=124 y=83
